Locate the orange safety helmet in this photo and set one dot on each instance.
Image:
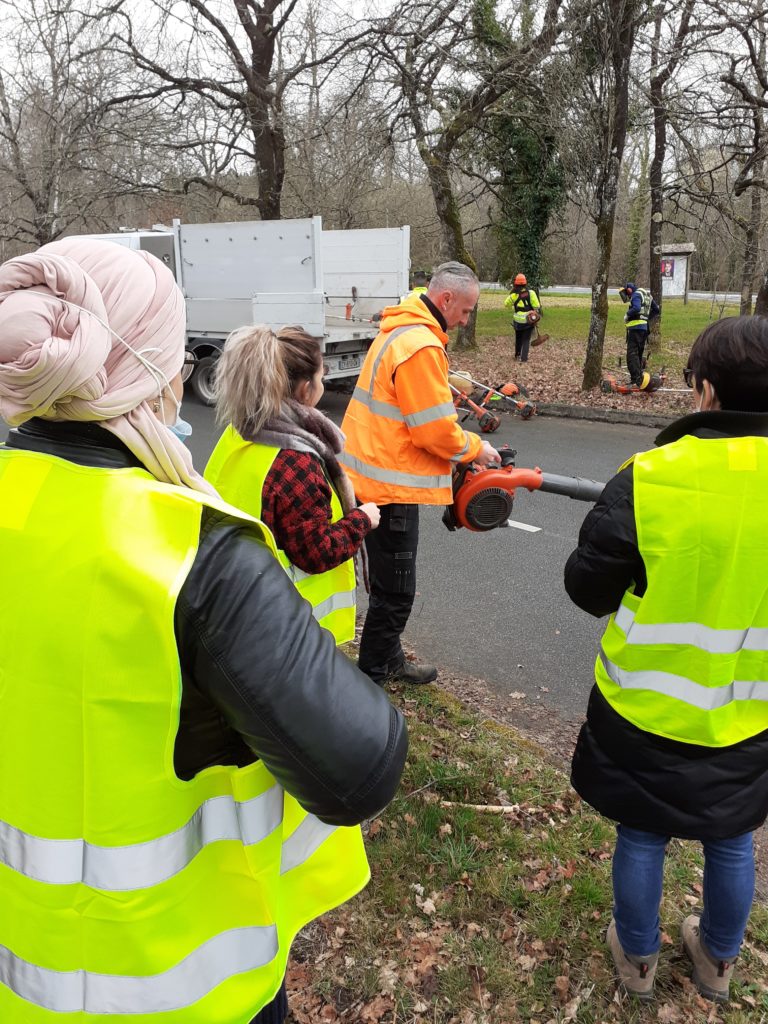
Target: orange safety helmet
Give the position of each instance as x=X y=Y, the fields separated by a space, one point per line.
x=521 y=279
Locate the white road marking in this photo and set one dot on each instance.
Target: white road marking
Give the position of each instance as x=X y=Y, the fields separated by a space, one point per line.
x=523 y=526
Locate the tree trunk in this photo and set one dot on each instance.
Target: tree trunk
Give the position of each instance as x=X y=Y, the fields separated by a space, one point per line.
x=452 y=246
x=659 y=78
x=751 y=243
x=269 y=157
x=608 y=186
x=761 y=303
x=465 y=337
x=593 y=362
x=637 y=211
x=656 y=228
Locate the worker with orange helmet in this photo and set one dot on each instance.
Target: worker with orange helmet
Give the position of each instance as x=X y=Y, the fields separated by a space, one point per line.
x=526 y=312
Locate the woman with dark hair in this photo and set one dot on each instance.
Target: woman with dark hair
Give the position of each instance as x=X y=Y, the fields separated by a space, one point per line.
x=676 y=738
x=277 y=459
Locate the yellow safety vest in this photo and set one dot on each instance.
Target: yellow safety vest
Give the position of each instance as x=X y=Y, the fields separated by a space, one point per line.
x=125 y=892
x=641 y=320
x=419 y=289
x=522 y=305
x=238 y=469
x=689 y=659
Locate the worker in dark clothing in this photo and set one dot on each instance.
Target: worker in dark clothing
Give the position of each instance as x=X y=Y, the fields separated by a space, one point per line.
x=642 y=309
x=526 y=312
x=676 y=737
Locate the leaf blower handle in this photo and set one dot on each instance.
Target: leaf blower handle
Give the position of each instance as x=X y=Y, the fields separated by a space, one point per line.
x=575 y=487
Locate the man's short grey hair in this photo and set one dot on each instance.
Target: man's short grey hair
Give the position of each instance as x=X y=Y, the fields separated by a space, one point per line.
x=453 y=276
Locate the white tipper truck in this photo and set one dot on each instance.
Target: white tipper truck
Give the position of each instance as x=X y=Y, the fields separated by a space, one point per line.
x=280 y=272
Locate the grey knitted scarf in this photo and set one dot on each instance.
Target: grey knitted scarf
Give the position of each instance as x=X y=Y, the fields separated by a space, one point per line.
x=304 y=429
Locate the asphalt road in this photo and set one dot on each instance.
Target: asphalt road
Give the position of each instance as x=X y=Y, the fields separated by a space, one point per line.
x=493 y=605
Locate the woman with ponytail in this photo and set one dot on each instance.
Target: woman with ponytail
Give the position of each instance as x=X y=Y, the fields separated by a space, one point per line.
x=277 y=459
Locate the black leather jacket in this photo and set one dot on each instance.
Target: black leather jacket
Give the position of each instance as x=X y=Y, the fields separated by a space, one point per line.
x=260 y=678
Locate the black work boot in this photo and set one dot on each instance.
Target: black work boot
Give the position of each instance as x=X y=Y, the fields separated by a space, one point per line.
x=413 y=673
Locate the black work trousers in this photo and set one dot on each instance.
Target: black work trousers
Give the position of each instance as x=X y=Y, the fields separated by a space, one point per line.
x=391 y=549
x=274 y=1012
x=636 y=339
x=523 y=343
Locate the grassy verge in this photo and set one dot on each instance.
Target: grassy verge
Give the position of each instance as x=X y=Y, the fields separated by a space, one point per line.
x=568 y=316
x=487 y=918
x=566 y=319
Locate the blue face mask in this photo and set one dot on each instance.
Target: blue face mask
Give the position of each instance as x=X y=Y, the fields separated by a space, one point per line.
x=181 y=429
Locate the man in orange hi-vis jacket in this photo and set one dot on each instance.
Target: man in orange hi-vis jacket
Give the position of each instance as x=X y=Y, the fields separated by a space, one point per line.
x=402 y=436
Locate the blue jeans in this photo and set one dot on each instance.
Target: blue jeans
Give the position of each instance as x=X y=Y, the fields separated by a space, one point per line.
x=729 y=885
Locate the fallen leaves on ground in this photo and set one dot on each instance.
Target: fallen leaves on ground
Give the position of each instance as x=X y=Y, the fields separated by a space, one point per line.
x=554 y=371
x=438 y=939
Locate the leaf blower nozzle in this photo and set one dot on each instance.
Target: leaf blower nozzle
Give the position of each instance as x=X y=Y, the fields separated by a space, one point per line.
x=483 y=498
x=576 y=487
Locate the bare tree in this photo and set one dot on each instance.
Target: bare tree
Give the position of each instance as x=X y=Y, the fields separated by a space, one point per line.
x=448 y=75
x=748 y=77
x=239 y=58
x=607 y=48
x=65 y=148
x=721 y=133
x=668 y=43
x=637 y=169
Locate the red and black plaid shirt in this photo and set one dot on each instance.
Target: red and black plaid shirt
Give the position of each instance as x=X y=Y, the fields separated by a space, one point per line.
x=296 y=506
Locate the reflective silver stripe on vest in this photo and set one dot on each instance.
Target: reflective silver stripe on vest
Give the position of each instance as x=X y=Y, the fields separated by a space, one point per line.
x=222 y=957
x=434 y=412
x=378 y=408
x=300 y=846
x=460 y=455
x=707 y=698
x=392 y=412
x=380 y=355
x=141 y=865
x=392 y=476
x=693 y=634
x=296 y=573
x=334 y=603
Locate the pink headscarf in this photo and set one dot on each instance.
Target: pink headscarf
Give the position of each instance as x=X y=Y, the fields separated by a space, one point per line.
x=61 y=363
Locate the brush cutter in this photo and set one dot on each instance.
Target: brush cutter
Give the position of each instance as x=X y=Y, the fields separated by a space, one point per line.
x=509 y=397
x=611 y=384
x=533 y=319
x=483 y=498
x=463 y=403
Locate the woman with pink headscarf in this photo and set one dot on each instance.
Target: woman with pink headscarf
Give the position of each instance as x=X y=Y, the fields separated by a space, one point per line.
x=185 y=752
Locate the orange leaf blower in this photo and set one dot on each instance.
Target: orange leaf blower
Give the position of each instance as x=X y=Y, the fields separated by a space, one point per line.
x=483 y=498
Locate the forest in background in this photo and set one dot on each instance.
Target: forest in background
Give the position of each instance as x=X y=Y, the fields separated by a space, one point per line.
x=569 y=139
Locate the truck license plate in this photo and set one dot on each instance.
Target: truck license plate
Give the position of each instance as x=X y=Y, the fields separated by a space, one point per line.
x=349 y=362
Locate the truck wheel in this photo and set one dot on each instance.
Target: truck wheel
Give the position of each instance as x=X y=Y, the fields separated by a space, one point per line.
x=204 y=380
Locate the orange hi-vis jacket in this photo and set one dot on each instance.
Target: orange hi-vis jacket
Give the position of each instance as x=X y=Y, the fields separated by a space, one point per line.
x=401 y=426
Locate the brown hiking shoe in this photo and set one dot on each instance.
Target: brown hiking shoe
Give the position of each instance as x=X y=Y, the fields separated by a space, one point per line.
x=636 y=973
x=712 y=977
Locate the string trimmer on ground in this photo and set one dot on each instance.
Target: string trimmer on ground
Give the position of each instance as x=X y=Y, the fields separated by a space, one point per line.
x=620 y=383
x=473 y=399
